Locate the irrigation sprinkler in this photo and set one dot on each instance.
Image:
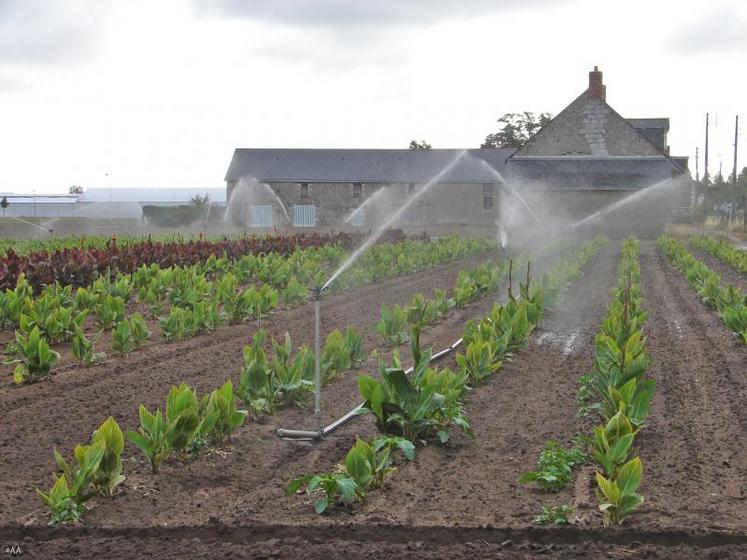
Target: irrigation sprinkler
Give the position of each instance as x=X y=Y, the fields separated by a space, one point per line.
x=322 y=432
x=317 y=293
x=317 y=433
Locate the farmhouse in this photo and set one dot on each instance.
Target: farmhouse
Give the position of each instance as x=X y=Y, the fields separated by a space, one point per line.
x=587 y=157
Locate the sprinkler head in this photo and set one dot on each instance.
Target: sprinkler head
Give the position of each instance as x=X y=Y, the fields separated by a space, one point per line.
x=316 y=292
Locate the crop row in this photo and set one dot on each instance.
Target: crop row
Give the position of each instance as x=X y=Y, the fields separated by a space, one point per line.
x=196 y=299
x=622 y=392
x=730 y=302
x=725 y=252
x=80 y=266
x=426 y=405
x=469 y=286
x=619 y=392
x=188 y=425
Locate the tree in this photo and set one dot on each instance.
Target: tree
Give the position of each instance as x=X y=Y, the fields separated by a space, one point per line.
x=75 y=189
x=422 y=145
x=516 y=129
x=198 y=201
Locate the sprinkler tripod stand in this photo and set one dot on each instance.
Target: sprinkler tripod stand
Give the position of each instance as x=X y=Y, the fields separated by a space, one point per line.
x=316 y=433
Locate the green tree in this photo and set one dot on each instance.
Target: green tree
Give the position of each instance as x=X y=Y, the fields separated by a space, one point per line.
x=422 y=145
x=516 y=129
x=200 y=202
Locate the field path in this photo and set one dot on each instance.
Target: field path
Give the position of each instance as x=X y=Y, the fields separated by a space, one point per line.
x=694 y=449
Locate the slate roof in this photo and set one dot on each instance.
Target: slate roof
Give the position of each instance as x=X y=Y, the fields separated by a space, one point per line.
x=366 y=166
x=650 y=123
x=590 y=172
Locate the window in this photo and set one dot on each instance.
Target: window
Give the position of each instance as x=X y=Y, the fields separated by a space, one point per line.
x=487 y=202
x=356 y=220
x=357 y=190
x=261 y=215
x=304 y=215
x=487 y=189
x=304 y=190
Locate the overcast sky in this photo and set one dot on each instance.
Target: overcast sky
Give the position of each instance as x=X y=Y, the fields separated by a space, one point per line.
x=159 y=93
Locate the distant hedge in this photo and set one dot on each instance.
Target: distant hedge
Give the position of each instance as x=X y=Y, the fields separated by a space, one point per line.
x=182 y=215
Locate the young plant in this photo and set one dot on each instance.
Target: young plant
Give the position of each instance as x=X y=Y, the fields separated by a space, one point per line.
x=220 y=407
x=122 y=342
x=66 y=500
x=255 y=388
x=109 y=473
x=354 y=344
x=555 y=515
x=554 y=467
x=139 y=330
x=294 y=292
x=183 y=417
x=335 y=356
x=617 y=495
x=416 y=408
x=152 y=438
x=35 y=358
x=110 y=311
x=365 y=468
x=393 y=325
x=613 y=442
x=62 y=506
x=84 y=348
x=477 y=363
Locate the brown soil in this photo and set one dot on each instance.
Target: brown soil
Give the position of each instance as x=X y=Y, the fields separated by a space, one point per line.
x=455 y=501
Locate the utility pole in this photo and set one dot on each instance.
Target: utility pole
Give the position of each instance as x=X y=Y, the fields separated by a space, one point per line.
x=705 y=162
x=734 y=177
x=697 y=173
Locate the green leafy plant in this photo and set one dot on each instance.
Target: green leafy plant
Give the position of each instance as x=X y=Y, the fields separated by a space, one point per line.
x=617 y=496
x=110 y=311
x=555 y=515
x=294 y=292
x=109 y=473
x=612 y=443
x=66 y=500
x=336 y=356
x=61 y=504
x=220 y=407
x=365 y=468
x=554 y=467
x=122 y=342
x=174 y=325
x=477 y=363
x=255 y=387
x=152 y=438
x=84 y=348
x=139 y=330
x=183 y=418
x=35 y=358
x=354 y=344
x=393 y=325
x=418 y=408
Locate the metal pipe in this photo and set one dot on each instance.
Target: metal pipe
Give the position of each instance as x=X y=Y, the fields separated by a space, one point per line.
x=344 y=419
x=317 y=364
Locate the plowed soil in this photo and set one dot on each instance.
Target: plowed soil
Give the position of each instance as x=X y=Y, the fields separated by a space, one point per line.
x=455 y=501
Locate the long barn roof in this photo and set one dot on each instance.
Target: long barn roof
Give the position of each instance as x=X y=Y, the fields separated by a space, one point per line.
x=366 y=166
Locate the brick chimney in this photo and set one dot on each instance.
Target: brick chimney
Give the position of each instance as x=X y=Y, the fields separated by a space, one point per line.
x=597 y=90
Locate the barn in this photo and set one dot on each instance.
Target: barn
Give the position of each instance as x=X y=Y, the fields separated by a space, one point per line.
x=585 y=159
